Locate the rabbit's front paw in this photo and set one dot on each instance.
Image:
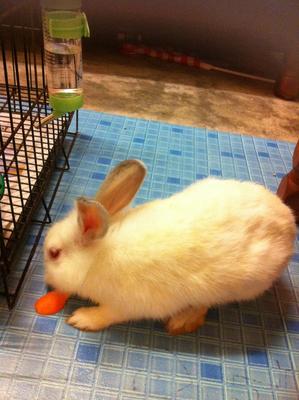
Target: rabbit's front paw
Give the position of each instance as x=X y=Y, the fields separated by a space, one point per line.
x=90 y=318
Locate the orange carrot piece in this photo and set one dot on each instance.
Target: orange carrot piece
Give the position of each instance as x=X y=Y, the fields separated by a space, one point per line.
x=51 y=303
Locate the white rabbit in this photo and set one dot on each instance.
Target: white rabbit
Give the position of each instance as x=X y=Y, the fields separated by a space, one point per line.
x=218 y=241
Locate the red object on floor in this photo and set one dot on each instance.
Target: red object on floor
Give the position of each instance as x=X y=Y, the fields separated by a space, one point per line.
x=51 y=303
x=132 y=49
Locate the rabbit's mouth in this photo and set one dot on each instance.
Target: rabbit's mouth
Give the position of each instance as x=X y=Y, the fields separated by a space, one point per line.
x=52 y=279
x=49 y=281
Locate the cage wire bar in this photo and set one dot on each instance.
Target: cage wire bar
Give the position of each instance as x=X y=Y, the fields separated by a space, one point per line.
x=29 y=156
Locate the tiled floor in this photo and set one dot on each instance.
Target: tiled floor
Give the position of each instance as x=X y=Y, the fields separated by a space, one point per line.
x=243 y=352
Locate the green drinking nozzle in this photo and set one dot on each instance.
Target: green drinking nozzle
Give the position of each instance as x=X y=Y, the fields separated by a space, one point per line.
x=61 y=104
x=65 y=102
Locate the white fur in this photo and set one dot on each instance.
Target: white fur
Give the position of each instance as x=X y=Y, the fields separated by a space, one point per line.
x=215 y=242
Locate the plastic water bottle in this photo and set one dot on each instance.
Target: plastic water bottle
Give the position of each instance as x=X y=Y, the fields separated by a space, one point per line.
x=64 y=25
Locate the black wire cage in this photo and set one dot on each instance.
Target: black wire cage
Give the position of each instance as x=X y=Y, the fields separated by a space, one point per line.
x=29 y=152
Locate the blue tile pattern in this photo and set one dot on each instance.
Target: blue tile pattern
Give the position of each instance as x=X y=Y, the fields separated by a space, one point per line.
x=246 y=351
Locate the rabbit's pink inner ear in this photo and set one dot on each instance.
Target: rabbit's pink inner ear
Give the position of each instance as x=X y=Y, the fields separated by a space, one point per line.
x=92 y=219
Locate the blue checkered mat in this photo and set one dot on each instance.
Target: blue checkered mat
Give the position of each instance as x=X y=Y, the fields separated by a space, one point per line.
x=243 y=352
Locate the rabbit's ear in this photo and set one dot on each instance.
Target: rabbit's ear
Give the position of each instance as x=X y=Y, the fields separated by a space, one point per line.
x=121 y=185
x=92 y=219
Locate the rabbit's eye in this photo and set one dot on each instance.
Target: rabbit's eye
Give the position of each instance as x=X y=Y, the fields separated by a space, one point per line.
x=54 y=253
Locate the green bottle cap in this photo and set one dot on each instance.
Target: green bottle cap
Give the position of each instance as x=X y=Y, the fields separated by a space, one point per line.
x=67 y=24
x=65 y=102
